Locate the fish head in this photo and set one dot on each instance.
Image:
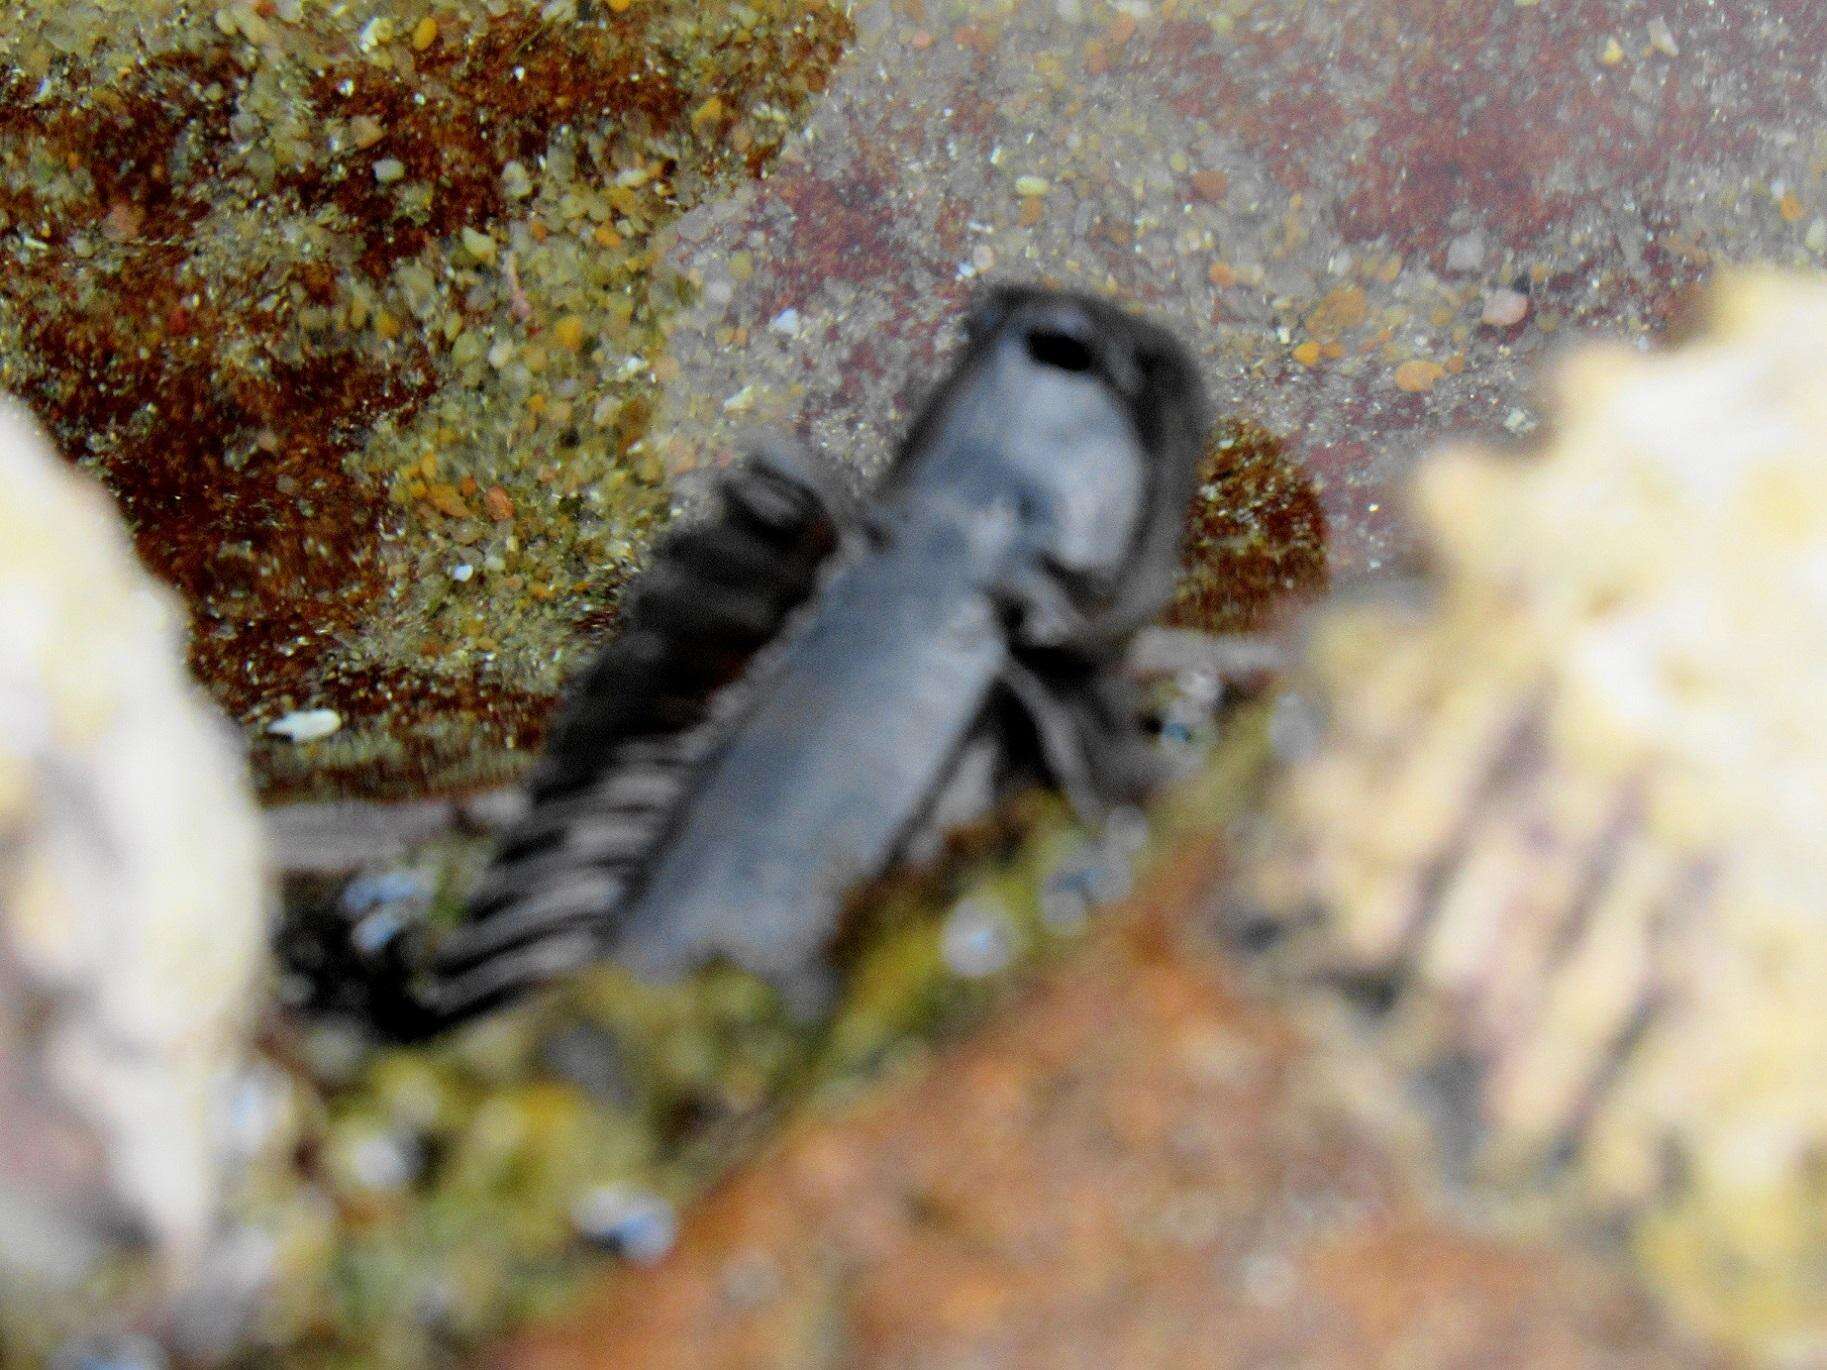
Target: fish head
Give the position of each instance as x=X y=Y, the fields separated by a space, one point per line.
x=1088 y=418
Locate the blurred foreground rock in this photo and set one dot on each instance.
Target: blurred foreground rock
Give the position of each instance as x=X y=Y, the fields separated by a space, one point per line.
x=1563 y=840
x=131 y=917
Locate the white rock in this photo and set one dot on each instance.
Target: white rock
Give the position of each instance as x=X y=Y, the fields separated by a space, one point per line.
x=977 y=939
x=132 y=900
x=1505 y=308
x=1465 y=253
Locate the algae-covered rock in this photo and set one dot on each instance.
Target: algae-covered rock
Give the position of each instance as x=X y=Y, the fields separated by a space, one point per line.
x=358 y=311
x=1563 y=836
x=131 y=905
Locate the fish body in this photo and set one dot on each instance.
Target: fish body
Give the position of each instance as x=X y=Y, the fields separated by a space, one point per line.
x=803 y=683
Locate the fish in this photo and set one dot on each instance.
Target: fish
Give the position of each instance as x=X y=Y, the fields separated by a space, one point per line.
x=811 y=687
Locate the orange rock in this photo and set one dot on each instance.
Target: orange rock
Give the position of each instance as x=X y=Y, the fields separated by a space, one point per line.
x=445 y=499
x=1209 y=185
x=568 y=332
x=1338 y=312
x=1418 y=377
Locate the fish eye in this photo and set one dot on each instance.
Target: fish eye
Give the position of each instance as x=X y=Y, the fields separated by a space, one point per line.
x=1053 y=347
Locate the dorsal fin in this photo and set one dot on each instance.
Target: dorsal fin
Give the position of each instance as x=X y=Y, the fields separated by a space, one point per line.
x=633 y=725
x=716 y=591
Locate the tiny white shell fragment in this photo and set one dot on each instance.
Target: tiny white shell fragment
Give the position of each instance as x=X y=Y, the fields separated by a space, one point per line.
x=306 y=725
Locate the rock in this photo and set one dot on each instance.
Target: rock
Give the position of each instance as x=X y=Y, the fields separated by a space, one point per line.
x=1465 y=253
x=131 y=898
x=977 y=939
x=1564 y=830
x=1504 y=308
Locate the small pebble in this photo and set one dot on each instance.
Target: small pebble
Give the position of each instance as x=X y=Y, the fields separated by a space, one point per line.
x=1031 y=185
x=1418 y=377
x=479 y=245
x=306 y=725
x=462 y=572
x=637 y=1226
x=389 y=170
x=1662 y=38
x=365 y=131
x=424 y=33
x=377 y=934
x=568 y=332
x=1209 y=185
x=1613 y=53
x=375 y=33
x=122 y=224
x=1505 y=308
x=786 y=323
x=498 y=504
x=1465 y=253
x=976 y=940
x=364 y=894
x=365 y=1156
x=444 y=498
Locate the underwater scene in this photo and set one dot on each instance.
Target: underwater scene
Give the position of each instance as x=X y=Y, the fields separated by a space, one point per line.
x=903 y=683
